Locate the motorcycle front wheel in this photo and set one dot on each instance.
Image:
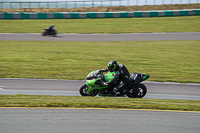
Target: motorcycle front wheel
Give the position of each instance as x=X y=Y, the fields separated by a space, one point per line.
x=83 y=91
x=137 y=91
x=44 y=33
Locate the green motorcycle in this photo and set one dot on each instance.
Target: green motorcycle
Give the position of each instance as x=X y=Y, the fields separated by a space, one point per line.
x=92 y=87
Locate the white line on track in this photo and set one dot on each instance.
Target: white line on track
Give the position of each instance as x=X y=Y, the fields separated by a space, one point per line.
x=1 y=89
x=154 y=82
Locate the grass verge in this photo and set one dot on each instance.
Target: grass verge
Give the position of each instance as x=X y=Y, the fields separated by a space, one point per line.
x=109 y=25
x=164 y=60
x=97 y=102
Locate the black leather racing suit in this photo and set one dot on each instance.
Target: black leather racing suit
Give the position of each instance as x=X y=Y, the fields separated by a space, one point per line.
x=124 y=76
x=50 y=29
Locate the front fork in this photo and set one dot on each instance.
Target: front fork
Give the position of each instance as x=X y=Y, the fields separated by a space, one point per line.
x=89 y=89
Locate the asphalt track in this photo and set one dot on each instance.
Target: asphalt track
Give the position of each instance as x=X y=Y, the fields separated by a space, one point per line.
x=156 y=90
x=102 y=37
x=37 y=120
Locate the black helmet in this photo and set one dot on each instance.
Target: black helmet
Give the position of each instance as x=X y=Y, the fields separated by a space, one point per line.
x=112 y=65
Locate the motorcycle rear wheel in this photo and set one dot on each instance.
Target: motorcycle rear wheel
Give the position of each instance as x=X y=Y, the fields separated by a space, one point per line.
x=55 y=33
x=83 y=91
x=137 y=91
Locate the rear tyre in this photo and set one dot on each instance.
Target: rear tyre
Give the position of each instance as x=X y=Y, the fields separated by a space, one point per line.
x=137 y=91
x=55 y=33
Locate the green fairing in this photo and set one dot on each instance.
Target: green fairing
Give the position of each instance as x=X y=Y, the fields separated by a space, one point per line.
x=109 y=76
x=91 y=83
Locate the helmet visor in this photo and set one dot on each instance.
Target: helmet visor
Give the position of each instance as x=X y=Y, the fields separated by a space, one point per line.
x=110 y=68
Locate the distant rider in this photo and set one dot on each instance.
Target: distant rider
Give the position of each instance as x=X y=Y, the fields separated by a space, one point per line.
x=121 y=73
x=50 y=28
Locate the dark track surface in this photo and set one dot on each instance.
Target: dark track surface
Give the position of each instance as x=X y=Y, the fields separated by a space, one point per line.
x=71 y=87
x=103 y=37
x=37 y=120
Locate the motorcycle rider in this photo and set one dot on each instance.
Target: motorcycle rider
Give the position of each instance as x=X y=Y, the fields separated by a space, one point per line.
x=50 y=28
x=121 y=73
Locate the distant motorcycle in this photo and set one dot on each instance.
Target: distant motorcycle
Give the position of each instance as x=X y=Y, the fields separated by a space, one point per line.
x=92 y=87
x=49 y=31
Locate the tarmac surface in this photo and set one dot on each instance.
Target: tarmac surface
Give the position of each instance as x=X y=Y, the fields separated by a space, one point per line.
x=102 y=37
x=48 y=120
x=155 y=90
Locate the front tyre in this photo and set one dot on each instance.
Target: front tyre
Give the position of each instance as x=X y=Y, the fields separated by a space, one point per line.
x=137 y=91
x=44 y=33
x=83 y=91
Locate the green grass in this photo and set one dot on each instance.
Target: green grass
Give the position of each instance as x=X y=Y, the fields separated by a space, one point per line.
x=97 y=102
x=110 y=25
x=176 y=61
